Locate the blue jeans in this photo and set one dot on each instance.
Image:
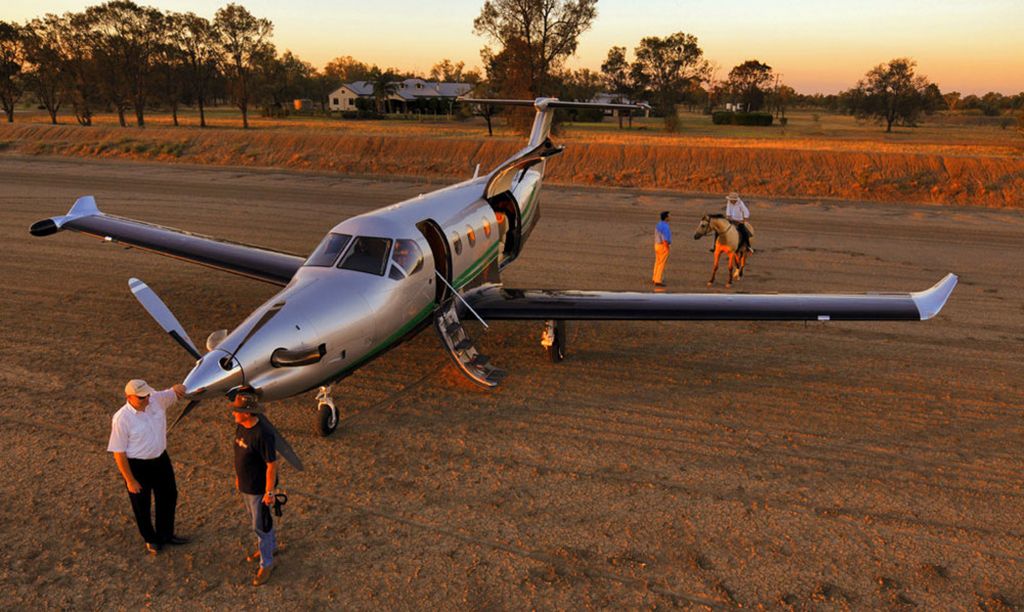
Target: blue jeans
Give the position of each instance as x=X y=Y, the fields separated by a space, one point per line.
x=267 y=540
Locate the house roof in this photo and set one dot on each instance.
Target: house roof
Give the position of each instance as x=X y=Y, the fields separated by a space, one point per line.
x=410 y=89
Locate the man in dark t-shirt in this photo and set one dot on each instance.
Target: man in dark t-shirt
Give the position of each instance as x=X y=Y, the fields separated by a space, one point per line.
x=256 y=475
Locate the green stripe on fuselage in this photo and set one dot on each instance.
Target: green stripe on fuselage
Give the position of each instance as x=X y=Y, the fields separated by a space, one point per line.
x=477 y=266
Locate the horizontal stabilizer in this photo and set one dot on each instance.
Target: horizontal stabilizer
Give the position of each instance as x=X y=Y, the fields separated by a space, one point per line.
x=545 y=103
x=496 y=302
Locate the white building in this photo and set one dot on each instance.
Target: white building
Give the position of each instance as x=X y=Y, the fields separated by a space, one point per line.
x=344 y=98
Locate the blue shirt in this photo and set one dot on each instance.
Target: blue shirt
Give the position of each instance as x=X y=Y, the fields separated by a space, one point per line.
x=662 y=233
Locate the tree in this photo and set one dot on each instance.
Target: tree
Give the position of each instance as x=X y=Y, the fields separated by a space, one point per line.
x=384 y=86
x=198 y=40
x=892 y=92
x=127 y=38
x=748 y=83
x=170 y=69
x=323 y=84
x=535 y=37
x=484 y=91
x=245 y=43
x=80 y=64
x=447 y=72
x=952 y=99
x=781 y=98
x=665 y=66
x=12 y=58
x=347 y=69
x=283 y=79
x=615 y=72
x=46 y=76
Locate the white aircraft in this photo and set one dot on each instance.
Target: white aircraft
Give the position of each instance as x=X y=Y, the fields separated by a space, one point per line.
x=380 y=278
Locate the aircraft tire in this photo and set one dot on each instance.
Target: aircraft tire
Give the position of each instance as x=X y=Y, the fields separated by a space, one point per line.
x=326 y=421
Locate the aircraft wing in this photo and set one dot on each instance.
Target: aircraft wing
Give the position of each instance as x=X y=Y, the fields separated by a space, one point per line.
x=497 y=302
x=254 y=262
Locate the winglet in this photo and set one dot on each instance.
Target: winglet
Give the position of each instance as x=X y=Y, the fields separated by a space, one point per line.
x=930 y=301
x=84 y=206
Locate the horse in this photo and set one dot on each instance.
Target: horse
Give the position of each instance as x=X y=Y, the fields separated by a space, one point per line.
x=728 y=242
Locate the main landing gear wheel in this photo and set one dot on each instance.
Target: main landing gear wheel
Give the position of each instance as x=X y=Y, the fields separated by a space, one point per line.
x=554 y=340
x=327 y=414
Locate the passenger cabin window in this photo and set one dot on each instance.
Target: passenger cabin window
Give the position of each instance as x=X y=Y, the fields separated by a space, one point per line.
x=368 y=255
x=408 y=259
x=330 y=247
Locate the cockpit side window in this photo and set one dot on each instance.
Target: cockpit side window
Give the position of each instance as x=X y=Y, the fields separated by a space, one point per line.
x=407 y=256
x=327 y=252
x=368 y=255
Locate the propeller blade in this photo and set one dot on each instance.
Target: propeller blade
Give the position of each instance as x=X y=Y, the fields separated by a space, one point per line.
x=282 y=445
x=159 y=311
x=188 y=408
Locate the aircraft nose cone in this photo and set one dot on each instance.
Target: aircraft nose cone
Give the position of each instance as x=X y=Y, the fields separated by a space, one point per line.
x=215 y=373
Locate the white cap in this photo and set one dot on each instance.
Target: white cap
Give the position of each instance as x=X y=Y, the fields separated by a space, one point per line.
x=138 y=387
x=733 y=196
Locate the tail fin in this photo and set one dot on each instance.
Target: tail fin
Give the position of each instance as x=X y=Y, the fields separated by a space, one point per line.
x=546 y=112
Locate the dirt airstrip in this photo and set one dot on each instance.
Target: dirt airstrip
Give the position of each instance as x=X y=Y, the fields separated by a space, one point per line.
x=783 y=465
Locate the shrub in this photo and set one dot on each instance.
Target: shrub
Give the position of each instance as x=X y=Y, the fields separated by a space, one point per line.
x=732 y=118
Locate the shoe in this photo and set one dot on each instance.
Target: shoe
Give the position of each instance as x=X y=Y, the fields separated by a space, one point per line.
x=659 y=284
x=263 y=575
x=153 y=549
x=177 y=540
x=255 y=555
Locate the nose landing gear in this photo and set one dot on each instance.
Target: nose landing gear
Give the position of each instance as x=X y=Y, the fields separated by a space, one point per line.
x=327 y=414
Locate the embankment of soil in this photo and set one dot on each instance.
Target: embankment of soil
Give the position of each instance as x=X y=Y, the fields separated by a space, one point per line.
x=893 y=176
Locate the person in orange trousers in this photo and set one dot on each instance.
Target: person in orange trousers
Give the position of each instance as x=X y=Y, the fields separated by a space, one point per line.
x=662 y=244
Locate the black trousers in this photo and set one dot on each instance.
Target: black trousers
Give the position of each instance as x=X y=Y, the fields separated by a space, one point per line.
x=157 y=479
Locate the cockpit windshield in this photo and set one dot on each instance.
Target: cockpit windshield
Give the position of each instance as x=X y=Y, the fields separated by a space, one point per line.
x=368 y=255
x=408 y=256
x=330 y=247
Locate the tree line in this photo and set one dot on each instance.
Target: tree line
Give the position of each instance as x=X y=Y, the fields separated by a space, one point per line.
x=531 y=39
x=128 y=58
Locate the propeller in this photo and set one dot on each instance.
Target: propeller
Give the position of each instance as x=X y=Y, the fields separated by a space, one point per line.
x=184 y=412
x=283 y=447
x=162 y=315
x=169 y=323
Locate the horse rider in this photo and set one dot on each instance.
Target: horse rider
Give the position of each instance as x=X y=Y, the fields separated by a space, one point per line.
x=738 y=214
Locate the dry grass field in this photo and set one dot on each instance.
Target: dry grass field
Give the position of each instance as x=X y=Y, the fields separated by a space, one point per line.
x=815 y=155
x=706 y=465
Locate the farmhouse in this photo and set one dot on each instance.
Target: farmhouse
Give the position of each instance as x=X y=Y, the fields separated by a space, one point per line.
x=407 y=93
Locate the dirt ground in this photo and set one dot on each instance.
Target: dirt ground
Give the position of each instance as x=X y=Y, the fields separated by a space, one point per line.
x=778 y=465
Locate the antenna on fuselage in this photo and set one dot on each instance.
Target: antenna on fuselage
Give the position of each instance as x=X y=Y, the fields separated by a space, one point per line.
x=476 y=172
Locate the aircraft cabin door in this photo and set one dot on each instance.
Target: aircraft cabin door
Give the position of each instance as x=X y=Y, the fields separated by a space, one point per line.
x=442 y=256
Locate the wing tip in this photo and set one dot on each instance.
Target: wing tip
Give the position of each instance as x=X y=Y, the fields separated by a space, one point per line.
x=930 y=301
x=84 y=206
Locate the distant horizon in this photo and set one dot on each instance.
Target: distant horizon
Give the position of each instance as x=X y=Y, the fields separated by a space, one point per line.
x=817 y=47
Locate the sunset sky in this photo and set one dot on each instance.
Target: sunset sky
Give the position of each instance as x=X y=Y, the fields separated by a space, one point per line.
x=970 y=46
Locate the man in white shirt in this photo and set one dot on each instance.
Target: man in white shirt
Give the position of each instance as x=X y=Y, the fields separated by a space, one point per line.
x=738 y=213
x=138 y=439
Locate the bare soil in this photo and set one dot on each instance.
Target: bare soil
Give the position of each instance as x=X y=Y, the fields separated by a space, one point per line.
x=780 y=465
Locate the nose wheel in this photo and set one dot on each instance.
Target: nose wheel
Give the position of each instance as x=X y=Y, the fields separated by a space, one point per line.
x=327 y=414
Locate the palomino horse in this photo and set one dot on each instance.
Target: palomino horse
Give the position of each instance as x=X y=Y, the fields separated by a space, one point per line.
x=728 y=242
